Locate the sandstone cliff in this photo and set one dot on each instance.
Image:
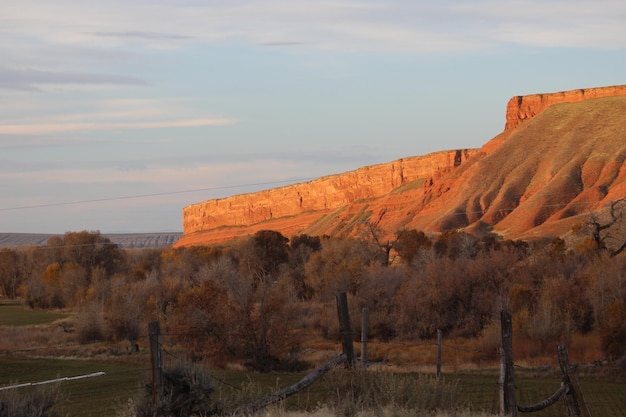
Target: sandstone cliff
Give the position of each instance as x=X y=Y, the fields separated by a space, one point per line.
x=520 y=108
x=547 y=174
x=324 y=194
x=561 y=163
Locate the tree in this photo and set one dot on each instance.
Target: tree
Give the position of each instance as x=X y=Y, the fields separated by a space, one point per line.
x=409 y=243
x=271 y=249
x=205 y=320
x=339 y=266
x=301 y=248
x=91 y=249
x=378 y=293
x=455 y=244
x=613 y=329
x=10 y=272
x=605 y=230
x=377 y=235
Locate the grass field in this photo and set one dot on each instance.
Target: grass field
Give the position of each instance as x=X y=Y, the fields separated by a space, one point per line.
x=16 y=314
x=98 y=396
x=105 y=395
x=102 y=396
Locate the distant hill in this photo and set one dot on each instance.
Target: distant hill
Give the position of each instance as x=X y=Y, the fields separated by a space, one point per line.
x=124 y=240
x=560 y=158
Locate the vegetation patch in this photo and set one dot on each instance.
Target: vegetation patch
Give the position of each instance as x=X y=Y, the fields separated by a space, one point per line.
x=409 y=186
x=325 y=221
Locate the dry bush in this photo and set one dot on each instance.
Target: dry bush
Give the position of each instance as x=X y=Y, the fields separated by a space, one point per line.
x=186 y=391
x=613 y=329
x=37 y=338
x=354 y=391
x=38 y=401
x=90 y=324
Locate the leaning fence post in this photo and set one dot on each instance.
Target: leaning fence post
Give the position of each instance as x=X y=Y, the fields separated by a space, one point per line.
x=574 y=400
x=508 y=405
x=156 y=359
x=346 y=329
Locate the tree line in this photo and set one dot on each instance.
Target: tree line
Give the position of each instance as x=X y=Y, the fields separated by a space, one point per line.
x=255 y=299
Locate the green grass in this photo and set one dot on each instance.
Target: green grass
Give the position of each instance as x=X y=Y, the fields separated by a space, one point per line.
x=17 y=314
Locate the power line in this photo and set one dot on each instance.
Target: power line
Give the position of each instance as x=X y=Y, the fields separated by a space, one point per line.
x=129 y=197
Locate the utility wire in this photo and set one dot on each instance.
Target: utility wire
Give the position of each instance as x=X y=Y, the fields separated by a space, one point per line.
x=129 y=197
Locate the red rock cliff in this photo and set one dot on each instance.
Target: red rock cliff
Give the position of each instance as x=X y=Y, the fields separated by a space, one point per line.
x=521 y=108
x=323 y=194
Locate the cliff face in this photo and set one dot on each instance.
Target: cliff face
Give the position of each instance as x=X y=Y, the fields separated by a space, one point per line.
x=321 y=195
x=520 y=108
x=538 y=179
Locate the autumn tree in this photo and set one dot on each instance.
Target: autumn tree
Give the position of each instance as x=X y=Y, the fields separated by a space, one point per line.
x=11 y=273
x=91 y=249
x=613 y=329
x=205 y=321
x=459 y=296
x=409 y=243
x=271 y=250
x=455 y=244
x=379 y=287
x=301 y=248
x=339 y=266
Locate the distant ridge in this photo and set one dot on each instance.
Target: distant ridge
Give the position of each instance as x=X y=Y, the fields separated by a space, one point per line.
x=124 y=240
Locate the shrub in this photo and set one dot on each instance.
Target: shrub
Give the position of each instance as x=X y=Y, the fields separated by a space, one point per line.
x=186 y=391
x=90 y=324
x=36 y=401
x=613 y=329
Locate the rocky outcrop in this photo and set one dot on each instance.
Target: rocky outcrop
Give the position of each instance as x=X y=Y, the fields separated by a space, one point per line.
x=323 y=194
x=520 y=108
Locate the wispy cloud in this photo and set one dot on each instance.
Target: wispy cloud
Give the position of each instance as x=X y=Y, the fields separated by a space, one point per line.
x=333 y=24
x=30 y=79
x=141 y=35
x=41 y=129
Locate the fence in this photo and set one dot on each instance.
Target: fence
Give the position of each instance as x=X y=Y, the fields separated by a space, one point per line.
x=569 y=392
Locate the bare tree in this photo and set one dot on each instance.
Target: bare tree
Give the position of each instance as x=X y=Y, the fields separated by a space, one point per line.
x=606 y=231
x=376 y=234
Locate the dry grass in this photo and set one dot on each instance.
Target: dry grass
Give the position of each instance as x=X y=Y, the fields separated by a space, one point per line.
x=354 y=391
x=15 y=339
x=385 y=412
x=32 y=402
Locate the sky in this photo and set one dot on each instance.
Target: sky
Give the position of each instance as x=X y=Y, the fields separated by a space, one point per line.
x=116 y=114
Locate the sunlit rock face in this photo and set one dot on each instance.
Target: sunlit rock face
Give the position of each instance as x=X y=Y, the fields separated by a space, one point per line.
x=323 y=194
x=561 y=158
x=520 y=108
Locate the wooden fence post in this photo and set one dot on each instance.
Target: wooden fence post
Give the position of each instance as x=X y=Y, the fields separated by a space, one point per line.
x=439 y=351
x=346 y=329
x=364 y=326
x=508 y=404
x=574 y=401
x=156 y=360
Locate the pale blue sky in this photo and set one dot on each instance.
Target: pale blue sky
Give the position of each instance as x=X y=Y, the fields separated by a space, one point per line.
x=148 y=106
